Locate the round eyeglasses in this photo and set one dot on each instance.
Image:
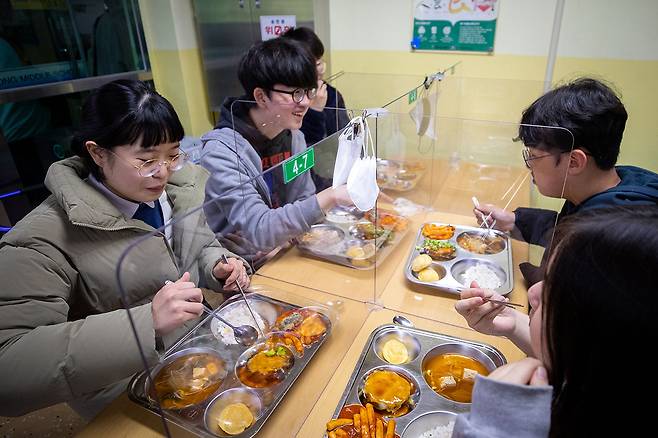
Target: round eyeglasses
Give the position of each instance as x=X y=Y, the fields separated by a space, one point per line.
x=299 y=93
x=527 y=158
x=151 y=167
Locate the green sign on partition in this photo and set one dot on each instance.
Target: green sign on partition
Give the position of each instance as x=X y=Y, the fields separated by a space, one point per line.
x=460 y=25
x=295 y=166
x=413 y=95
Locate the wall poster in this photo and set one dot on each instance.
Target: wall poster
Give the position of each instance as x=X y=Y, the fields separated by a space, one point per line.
x=460 y=25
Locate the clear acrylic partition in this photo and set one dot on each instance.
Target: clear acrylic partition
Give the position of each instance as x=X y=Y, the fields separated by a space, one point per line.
x=429 y=168
x=271 y=217
x=148 y=263
x=441 y=174
x=366 y=90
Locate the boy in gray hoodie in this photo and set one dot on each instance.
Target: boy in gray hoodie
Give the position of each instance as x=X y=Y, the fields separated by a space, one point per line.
x=252 y=210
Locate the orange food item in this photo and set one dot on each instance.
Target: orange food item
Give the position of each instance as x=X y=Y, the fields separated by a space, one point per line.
x=290 y=339
x=388 y=220
x=388 y=390
x=266 y=367
x=359 y=425
x=310 y=325
x=438 y=232
x=189 y=380
x=453 y=375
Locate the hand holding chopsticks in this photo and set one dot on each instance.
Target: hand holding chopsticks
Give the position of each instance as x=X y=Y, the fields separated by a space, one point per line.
x=505 y=303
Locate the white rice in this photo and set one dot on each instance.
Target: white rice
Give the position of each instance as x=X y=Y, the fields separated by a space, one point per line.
x=484 y=275
x=442 y=431
x=236 y=315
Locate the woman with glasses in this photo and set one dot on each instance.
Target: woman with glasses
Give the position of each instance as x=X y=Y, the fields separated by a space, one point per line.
x=575 y=161
x=254 y=210
x=327 y=113
x=64 y=330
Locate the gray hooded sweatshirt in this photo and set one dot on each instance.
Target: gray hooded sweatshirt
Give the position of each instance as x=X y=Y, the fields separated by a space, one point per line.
x=501 y=410
x=238 y=202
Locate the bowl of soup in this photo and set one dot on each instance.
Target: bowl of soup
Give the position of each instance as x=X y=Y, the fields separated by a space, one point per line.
x=187 y=378
x=450 y=370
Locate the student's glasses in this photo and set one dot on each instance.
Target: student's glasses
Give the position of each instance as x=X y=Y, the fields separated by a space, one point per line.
x=151 y=167
x=527 y=158
x=299 y=93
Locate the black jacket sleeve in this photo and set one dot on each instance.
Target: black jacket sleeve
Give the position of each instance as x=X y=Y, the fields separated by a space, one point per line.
x=313 y=126
x=535 y=224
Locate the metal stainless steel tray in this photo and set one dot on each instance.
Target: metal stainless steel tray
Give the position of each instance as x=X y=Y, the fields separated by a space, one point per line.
x=202 y=337
x=500 y=263
x=341 y=233
x=400 y=176
x=419 y=343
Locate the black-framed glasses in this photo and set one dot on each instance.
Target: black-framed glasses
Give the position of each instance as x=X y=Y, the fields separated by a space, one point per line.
x=151 y=167
x=299 y=93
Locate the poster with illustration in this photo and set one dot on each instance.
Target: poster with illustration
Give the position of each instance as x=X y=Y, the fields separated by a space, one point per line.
x=460 y=25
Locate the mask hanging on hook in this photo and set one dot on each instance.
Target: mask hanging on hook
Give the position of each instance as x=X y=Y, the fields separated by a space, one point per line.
x=424 y=114
x=362 y=180
x=350 y=145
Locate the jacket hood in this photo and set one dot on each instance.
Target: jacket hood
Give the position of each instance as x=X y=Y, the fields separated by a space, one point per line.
x=637 y=187
x=235 y=115
x=84 y=205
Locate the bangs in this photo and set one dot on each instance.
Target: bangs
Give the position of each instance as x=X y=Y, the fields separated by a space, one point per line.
x=300 y=77
x=277 y=61
x=297 y=71
x=154 y=122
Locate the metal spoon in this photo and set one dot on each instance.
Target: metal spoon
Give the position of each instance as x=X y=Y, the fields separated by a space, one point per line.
x=401 y=320
x=244 y=334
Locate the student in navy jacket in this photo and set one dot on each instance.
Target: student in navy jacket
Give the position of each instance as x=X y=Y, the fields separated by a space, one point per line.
x=596 y=117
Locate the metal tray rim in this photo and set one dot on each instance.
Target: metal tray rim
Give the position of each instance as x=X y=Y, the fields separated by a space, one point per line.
x=368 y=347
x=454 y=286
x=281 y=391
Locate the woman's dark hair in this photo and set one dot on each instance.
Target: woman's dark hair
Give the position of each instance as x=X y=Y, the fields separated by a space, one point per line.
x=124 y=112
x=600 y=310
x=308 y=37
x=589 y=109
x=277 y=61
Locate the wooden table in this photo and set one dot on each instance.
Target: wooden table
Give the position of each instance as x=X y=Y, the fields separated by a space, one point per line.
x=362 y=300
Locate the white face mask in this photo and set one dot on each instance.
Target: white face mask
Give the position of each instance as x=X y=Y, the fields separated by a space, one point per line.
x=423 y=115
x=350 y=145
x=362 y=180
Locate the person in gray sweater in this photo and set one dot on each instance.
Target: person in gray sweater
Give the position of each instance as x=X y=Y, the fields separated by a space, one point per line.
x=248 y=205
x=593 y=317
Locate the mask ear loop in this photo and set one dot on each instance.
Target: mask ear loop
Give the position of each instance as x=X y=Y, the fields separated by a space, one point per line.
x=367 y=139
x=353 y=128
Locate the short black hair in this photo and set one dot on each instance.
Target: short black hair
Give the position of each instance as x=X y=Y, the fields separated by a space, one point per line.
x=308 y=37
x=589 y=109
x=124 y=112
x=277 y=61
